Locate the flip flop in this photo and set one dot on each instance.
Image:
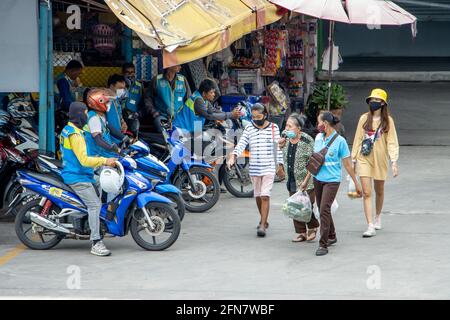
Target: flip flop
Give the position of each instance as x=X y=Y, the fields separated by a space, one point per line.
x=312 y=234
x=300 y=238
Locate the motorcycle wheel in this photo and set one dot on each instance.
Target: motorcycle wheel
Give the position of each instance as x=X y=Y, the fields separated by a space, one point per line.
x=32 y=235
x=206 y=193
x=10 y=194
x=166 y=221
x=178 y=200
x=238 y=188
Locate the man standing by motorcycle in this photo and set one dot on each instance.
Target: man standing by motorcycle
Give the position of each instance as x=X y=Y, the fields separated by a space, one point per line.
x=78 y=171
x=166 y=95
x=117 y=85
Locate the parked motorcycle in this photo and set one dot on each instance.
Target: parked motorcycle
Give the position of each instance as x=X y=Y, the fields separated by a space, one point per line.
x=194 y=177
x=54 y=212
x=236 y=179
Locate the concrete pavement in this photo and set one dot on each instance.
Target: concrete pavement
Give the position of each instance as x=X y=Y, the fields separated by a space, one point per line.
x=218 y=255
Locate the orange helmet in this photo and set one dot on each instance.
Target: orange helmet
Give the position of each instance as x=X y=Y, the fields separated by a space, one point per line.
x=98 y=99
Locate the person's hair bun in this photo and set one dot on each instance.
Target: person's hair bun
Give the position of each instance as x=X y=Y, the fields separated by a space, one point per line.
x=330 y=118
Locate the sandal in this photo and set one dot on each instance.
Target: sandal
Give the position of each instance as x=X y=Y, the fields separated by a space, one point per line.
x=265 y=227
x=312 y=233
x=300 y=238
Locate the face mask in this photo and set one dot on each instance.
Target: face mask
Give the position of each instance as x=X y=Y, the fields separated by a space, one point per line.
x=260 y=122
x=84 y=119
x=290 y=134
x=121 y=93
x=374 y=106
x=321 y=128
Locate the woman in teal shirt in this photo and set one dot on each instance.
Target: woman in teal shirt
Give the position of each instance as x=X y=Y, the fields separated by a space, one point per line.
x=327 y=180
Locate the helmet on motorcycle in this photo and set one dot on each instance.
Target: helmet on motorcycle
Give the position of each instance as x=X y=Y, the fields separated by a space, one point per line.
x=111 y=180
x=98 y=99
x=21 y=108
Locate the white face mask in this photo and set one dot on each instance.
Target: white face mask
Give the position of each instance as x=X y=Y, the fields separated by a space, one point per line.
x=121 y=93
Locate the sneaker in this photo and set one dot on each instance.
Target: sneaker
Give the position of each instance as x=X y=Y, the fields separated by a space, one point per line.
x=321 y=251
x=261 y=232
x=370 y=232
x=377 y=222
x=99 y=249
x=332 y=241
x=223 y=190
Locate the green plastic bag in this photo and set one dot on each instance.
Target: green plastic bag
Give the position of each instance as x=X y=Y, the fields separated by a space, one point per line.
x=298 y=207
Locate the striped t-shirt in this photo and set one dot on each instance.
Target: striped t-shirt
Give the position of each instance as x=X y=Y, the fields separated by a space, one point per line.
x=261 y=141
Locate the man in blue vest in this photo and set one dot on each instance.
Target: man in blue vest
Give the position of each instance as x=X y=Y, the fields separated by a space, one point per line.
x=117 y=85
x=166 y=95
x=198 y=108
x=78 y=171
x=66 y=84
x=134 y=88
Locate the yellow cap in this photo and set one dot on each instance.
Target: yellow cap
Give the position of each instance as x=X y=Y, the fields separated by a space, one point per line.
x=379 y=94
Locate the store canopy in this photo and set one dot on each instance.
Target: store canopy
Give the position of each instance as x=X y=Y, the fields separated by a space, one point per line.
x=187 y=30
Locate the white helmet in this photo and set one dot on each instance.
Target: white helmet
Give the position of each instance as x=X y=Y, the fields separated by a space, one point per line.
x=111 y=180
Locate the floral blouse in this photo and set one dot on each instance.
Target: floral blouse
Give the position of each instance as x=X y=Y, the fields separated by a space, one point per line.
x=305 y=147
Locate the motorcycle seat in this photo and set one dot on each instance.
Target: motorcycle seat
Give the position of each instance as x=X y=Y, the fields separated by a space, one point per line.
x=54 y=180
x=57 y=163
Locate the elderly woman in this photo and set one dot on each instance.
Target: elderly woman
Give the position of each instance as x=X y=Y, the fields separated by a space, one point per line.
x=297 y=148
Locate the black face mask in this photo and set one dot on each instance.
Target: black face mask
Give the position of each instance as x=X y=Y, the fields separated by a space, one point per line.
x=374 y=106
x=260 y=122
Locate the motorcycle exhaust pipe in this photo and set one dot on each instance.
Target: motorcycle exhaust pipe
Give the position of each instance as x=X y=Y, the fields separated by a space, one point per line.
x=46 y=223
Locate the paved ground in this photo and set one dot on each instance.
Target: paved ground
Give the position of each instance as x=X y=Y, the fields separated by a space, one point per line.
x=421 y=110
x=218 y=255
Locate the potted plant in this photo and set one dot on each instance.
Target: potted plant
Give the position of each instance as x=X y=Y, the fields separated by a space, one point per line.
x=319 y=98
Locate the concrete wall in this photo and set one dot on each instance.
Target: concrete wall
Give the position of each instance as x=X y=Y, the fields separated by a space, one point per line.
x=433 y=40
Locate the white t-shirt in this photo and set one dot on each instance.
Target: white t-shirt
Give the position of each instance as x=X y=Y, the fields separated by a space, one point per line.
x=95 y=125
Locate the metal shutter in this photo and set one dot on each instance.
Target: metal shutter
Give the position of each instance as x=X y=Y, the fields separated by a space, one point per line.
x=433 y=10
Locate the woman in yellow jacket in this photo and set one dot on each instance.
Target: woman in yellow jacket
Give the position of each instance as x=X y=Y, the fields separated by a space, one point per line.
x=374 y=145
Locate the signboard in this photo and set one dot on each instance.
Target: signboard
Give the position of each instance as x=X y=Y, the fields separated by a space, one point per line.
x=19 y=46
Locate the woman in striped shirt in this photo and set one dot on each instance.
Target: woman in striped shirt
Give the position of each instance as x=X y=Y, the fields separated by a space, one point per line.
x=262 y=137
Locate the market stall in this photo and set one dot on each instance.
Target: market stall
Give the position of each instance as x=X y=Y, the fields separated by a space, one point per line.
x=275 y=65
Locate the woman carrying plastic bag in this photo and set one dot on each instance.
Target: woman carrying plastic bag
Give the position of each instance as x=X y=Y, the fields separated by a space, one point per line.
x=298 y=207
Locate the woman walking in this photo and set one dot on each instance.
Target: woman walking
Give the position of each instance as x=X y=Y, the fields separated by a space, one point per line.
x=327 y=180
x=267 y=160
x=297 y=148
x=374 y=145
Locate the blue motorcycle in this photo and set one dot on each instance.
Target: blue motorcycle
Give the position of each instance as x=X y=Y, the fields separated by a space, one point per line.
x=151 y=168
x=194 y=177
x=54 y=212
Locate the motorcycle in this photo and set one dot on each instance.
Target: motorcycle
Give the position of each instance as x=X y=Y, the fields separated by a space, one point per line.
x=26 y=141
x=194 y=177
x=54 y=212
x=151 y=168
x=236 y=179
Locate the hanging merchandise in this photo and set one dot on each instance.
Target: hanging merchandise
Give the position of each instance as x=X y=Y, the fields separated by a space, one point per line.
x=279 y=97
x=275 y=45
